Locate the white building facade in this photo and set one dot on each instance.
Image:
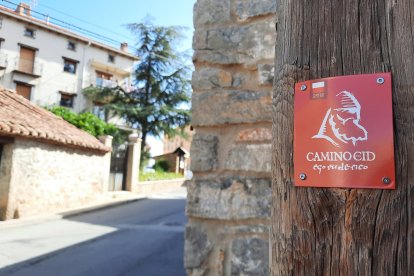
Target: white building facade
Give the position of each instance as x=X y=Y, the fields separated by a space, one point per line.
x=50 y=65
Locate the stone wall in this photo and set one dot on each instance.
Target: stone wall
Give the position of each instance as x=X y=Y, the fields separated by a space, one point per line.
x=229 y=198
x=47 y=178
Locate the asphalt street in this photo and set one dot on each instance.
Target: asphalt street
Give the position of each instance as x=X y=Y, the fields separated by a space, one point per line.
x=141 y=238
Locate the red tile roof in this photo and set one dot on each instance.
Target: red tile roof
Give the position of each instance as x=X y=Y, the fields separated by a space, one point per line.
x=21 y=118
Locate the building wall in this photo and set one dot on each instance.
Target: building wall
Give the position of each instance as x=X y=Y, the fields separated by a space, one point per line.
x=171 y=158
x=229 y=197
x=49 y=63
x=47 y=178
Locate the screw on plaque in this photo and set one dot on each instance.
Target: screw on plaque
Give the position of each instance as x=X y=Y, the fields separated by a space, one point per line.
x=303 y=87
x=380 y=80
x=386 y=180
x=302 y=176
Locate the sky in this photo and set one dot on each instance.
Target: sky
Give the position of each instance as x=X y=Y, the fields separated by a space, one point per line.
x=108 y=18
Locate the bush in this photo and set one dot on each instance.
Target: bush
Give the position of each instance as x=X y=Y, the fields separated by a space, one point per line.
x=89 y=123
x=161 y=165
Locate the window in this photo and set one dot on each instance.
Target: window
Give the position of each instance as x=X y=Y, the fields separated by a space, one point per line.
x=104 y=80
x=69 y=65
x=1 y=22
x=72 y=45
x=26 y=60
x=24 y=89
x=67 y=99
x=29 y=32
x=111 y=58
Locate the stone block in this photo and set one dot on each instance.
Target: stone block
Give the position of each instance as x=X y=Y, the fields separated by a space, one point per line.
x=207 y=78
x=236 y=45
x=246 y=9
x=250 y=256
x=252 y=158
x=212 y=78
x=229 y=198
x=255 y=135
x=197 y=246
x=208 y=12
x=231 y=107
x=204 y=153
x=266 y=74
x=199 y=40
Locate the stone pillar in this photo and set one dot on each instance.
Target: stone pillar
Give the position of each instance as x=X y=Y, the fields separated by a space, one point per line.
x=106 y=170
x=134 y=155
x=229 y=196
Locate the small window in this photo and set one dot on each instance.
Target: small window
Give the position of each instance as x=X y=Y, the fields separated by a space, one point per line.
x=69 y=65
x=72 y=45
x=1 y=22
x=24 y=90
x=29 y=32
x=111 y=58
x=67 y=100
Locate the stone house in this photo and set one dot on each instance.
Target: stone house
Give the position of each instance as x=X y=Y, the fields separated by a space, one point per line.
x=46 y=164
x=178 y=160
x=229 y=197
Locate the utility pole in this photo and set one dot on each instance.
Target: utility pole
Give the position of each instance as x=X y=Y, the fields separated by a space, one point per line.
x=330 y=231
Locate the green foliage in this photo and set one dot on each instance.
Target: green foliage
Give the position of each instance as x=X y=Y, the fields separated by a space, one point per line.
x=88 y=122
x=159 y=104
x=158 y=175
x=161 y=165
x=145 y=158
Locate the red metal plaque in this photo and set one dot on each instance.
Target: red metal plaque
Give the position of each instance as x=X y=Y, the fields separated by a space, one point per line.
x=343 y=134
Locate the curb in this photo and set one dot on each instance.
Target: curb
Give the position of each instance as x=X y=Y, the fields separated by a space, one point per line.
x=66 y=214
x=85 y=210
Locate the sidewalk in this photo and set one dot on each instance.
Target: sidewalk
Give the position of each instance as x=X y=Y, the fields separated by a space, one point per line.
x=111 y=200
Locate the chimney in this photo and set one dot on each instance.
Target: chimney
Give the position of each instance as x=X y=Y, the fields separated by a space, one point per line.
x=124 y=47
x=23 y=9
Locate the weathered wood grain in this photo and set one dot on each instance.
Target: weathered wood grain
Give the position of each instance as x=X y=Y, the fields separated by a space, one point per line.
x=340 y=231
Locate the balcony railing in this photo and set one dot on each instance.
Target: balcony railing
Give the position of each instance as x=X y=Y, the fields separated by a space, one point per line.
x=104 y=83
x=28 y=66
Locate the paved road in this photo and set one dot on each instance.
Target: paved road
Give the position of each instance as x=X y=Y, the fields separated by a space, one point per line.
x=141 y=238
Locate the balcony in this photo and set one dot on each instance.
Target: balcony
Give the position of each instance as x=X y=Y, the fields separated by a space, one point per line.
x=103 y=83
x=28 y=67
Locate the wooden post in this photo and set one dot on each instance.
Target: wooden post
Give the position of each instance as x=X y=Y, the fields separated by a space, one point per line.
x=343 y=231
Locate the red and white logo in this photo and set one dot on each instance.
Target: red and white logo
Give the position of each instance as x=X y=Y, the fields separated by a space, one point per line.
x=341 y=123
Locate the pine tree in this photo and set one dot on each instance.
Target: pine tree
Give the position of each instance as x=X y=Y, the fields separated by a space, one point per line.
x=159 y=103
